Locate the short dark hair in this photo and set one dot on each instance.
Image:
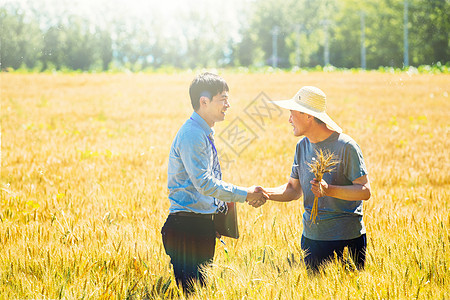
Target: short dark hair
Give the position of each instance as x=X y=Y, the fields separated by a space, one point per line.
x=319 y=121
x=210 y=83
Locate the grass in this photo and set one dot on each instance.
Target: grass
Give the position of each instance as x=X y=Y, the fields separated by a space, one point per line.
x=84 y=172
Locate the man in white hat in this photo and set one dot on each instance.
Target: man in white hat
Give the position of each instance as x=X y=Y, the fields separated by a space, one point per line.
x=339 y=222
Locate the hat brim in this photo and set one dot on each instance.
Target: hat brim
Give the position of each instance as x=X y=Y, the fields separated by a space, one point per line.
x=292 y=105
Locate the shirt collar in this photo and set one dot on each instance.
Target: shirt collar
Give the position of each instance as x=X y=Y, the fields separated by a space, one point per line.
x=199 y=120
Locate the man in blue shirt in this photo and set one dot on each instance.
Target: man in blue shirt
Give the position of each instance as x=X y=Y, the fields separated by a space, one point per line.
x=341 y=192
x=196 y=191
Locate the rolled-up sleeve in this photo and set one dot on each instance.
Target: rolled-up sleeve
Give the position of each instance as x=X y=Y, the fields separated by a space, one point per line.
x=195 y=153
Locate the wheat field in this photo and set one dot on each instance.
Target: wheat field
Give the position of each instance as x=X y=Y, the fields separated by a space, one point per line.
x=84 y=186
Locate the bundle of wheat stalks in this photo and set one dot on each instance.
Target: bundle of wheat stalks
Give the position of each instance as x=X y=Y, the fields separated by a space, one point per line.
x=324 y=163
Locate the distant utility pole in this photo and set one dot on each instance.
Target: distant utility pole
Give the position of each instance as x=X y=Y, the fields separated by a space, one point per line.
x=405 y=35
x=363 y=38
x=326 y=52
x=275 y=32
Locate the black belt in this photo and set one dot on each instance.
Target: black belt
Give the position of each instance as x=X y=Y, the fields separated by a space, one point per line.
x=193 y=215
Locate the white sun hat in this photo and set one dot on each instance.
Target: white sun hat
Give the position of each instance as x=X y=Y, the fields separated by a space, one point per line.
x=312 y=101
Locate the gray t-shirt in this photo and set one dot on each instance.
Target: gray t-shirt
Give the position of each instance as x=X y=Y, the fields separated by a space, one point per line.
x=337 y=219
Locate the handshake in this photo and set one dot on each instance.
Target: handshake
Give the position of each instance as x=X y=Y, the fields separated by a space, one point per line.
x=256 y=196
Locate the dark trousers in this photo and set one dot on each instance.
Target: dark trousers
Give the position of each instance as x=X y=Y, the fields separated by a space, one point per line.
x=190 y=242
x=319 y=252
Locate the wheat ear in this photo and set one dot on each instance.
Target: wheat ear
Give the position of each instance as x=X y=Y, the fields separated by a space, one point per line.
x=324 y=162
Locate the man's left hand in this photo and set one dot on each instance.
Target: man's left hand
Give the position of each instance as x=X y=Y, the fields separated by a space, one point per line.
x=319 y=189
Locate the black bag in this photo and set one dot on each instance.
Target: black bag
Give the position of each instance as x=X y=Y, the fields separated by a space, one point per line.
x=227 y=224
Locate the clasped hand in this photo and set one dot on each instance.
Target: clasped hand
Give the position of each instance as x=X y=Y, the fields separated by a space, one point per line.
x=256 y=196
x=319 y=189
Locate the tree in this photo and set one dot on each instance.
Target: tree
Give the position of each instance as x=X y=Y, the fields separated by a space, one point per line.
x=80 y=45
x=104 y=45
x=346 y=41
x=54 y=47
x=429 y=31
x=53 y=34
x=384 y=21
x=205 y=36
x=244 y=51
x=268 y=15
x=20 y=42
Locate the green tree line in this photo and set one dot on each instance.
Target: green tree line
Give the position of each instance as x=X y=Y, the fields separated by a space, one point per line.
x=303 y=33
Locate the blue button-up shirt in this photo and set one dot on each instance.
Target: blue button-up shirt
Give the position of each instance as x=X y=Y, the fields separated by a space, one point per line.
x=191 y=182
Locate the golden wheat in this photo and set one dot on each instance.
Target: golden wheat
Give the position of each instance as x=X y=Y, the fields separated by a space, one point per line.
x=83 y=187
